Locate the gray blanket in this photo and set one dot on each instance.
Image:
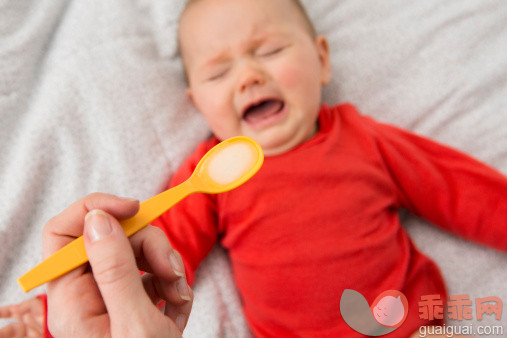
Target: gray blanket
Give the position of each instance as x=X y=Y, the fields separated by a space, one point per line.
x=92 y=99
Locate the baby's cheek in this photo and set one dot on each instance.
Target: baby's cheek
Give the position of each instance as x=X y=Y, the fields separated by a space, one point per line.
x=210 y=103
x=220 y=114
x=206 y=99
x=293 y=75
x=289 y=77
x=300 y=76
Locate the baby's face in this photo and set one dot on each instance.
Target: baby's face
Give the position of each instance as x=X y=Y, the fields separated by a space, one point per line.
x=254 y=69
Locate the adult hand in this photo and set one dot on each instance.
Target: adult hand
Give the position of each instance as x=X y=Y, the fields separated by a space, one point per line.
x=112 y=299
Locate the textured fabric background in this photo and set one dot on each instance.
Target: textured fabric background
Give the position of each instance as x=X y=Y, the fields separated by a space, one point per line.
x=92 y=99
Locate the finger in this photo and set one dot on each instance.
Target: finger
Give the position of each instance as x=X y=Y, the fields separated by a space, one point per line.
x=32 y=305
x=177 y=303
x=147 y=280
x=114 y=269
x=17 y=329
x=177 y=311
x=7 y=311
x=66 y=226
x=154 y=254
x=180 y=314
x=168 y=288
x=32 y=325
x=174 y=292
x=63 y=228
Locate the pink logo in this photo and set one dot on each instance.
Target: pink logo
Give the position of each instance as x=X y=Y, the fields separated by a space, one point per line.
x=390 y=308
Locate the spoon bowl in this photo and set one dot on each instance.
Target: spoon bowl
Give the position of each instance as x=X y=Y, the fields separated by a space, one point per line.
x=226 y=166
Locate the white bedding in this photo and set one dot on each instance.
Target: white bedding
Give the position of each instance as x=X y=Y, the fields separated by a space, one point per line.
x=92 y=99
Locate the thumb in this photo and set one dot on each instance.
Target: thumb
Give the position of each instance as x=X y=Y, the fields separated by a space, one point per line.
x=114 y=267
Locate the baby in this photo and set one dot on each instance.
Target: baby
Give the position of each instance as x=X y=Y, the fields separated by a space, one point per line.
x=321 y=216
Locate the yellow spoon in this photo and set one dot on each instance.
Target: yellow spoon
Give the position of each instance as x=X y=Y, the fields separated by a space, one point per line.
x=226 y=166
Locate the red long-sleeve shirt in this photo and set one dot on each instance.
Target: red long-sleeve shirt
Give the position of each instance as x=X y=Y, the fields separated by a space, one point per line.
x=323 y=217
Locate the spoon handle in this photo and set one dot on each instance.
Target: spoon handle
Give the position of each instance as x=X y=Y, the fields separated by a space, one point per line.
x=155 y=206
x=73 y=254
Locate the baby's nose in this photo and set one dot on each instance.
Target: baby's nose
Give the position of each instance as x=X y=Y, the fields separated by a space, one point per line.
x=251 y=76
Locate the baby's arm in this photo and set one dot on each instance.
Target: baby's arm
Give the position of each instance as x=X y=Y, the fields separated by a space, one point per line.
x=191 y=225
x=445 y=186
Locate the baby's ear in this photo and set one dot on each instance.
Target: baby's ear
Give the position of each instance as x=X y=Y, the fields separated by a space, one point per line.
x=324 y=57
x=188 y=91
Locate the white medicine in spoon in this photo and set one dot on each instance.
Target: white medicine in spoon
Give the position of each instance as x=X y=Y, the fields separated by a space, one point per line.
x=231 y=163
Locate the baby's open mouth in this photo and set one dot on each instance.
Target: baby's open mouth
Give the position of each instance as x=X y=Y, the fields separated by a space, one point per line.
x=263 y=110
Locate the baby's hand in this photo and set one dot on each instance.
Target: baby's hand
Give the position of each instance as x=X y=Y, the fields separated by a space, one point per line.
x=30 y=319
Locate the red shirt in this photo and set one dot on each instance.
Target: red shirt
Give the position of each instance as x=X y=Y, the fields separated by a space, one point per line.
x=323 y=217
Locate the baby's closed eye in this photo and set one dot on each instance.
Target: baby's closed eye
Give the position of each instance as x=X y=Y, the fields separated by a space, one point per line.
x=217 y=75
x=217 y=72
x=269 y=50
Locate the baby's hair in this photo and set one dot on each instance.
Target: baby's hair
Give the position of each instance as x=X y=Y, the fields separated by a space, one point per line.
x=299 y=5
x=309 y=25
x=306 y=17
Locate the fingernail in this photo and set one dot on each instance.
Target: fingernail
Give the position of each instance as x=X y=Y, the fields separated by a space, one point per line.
x=180 y=322
x=128 y=199
x=182 y=287
x=176 y=265
x=97 y=224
